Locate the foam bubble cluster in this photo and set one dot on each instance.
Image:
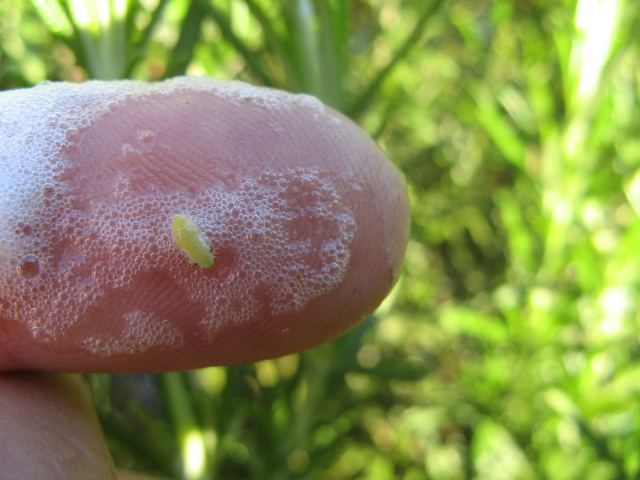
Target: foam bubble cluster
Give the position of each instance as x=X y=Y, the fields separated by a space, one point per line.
x=280 y=237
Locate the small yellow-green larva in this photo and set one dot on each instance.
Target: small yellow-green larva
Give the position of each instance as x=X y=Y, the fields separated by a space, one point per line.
x=188 y=236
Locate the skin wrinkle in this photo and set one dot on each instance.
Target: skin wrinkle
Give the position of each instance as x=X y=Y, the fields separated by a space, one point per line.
x=147 y=167
x=178 y=169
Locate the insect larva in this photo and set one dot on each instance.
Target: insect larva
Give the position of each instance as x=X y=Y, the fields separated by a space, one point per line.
x=188 y=236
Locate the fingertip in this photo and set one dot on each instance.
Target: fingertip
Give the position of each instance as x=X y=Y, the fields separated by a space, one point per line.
x=306 y=218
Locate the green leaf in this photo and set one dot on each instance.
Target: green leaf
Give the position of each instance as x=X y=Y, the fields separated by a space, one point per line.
x=54 y=17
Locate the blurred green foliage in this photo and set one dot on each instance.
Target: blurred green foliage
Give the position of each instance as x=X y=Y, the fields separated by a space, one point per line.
x=510 y=347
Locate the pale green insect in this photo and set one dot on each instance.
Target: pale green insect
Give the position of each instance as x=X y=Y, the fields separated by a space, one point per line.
x=188 y=236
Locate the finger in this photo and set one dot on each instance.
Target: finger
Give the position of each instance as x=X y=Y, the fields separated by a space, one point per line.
x=305 y=217
x=49 y=430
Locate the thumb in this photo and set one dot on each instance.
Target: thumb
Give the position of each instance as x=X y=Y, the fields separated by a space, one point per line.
x=304 y=219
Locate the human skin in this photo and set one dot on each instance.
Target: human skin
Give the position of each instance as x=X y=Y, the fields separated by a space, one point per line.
x=306 y=217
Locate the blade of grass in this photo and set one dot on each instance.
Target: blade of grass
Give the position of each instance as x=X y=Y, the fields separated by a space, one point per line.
x=333 y=38
x=100 y=26
x=54 y=17
x=178 y=402
x=252 y=60
x=362 y=103
x=274 y=40
x=304 y=48
x=508 y=140
x=521 y=240
x=182 y=52
x=139 y=46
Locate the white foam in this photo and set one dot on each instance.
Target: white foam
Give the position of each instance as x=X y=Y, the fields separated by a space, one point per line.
x=270 y=258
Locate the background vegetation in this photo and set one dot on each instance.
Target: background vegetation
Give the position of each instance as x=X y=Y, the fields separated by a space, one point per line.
x=510 y=348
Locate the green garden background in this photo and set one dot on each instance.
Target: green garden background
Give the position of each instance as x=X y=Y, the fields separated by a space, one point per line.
x=510 y=347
